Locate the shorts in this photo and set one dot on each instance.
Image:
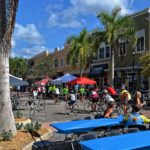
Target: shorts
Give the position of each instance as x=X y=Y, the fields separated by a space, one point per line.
x=124 y=102
x=94 y=100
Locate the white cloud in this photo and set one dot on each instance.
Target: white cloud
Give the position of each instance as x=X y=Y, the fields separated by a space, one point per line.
x=13 y=43
x=29 y=52
x=96 y=6
x=60 y=16
x=28 y=34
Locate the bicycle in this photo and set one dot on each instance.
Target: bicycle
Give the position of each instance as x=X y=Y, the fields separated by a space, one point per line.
x=74 y=108
x=36 y=105
x=15 y=102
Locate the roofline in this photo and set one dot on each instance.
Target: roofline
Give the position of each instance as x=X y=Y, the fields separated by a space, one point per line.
x=147 y=10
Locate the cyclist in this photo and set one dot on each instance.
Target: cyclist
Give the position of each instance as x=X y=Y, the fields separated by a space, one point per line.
x=95 y=98
x=107 y=97
x=35 y=93
x=135 y=117
x=108 y=113
x=72 y=98
x=125 y=97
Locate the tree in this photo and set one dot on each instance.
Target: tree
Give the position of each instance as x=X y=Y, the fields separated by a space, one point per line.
x=116 y=27
x=80 y=50
x=145 y=61
x=8 y=10
x=18 y=67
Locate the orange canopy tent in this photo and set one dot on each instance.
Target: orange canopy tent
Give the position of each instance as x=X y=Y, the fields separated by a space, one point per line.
x=82 y=80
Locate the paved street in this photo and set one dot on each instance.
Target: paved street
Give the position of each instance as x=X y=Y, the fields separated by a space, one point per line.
x=54 y=112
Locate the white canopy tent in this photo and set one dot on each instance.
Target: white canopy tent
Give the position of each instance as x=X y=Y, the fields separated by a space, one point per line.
x=64 y=79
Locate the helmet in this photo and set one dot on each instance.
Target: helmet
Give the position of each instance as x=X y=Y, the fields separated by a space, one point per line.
x=105 y=91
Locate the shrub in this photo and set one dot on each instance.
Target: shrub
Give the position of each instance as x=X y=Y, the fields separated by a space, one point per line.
x=29 y=126
x=19 y=126
x=18 y=114
x=37 y=126
x=6 y=135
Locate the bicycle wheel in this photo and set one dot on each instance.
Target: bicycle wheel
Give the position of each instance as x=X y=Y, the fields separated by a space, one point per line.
x=75 y=109
x=67 y=109
x=40 y=105
x=17 y=102
x=87 y=107
x=32 y=114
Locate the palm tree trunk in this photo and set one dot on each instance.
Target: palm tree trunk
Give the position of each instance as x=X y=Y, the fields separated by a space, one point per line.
x=112 y=67
x=81 y=70
x=6 y=115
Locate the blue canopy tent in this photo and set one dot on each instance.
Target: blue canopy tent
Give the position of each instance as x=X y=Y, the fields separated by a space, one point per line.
x=15 y=81
x=64 y=79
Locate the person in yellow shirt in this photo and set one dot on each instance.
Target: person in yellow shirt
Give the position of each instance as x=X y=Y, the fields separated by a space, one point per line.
x=125 y=97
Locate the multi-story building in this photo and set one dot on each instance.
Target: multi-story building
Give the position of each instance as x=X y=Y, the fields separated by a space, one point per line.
x=127 y=60
x=61 y=62
x=36 y=60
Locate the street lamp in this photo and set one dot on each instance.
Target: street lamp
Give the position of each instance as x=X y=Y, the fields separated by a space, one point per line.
x=133 y=53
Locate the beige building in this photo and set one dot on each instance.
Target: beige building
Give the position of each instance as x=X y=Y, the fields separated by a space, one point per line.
x=127 y=60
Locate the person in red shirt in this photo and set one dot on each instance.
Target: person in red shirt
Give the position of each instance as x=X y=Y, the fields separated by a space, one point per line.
x=111 y=90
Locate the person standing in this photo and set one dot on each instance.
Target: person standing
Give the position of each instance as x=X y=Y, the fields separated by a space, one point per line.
x=82 y=92
x=57 y=93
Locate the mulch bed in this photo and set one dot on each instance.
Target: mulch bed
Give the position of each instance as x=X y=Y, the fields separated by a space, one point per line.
x=21 y=139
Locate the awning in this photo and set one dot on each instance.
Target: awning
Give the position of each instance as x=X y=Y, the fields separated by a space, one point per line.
x=97 y=70
x=15 y=81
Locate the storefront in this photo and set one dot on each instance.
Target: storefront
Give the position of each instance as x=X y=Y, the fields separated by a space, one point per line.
x=99 y=74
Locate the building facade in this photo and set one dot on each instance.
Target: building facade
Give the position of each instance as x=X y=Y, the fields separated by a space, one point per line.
x=127 y=60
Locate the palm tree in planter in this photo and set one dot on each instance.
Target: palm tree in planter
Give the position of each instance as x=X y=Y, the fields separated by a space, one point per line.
x=115 y=28
x=80 y=52
x=8 y=10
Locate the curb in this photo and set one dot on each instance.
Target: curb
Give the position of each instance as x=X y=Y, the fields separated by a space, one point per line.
x=45 y=136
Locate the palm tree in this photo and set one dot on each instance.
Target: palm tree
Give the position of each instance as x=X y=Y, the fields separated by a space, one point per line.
x=116 y=27
x=80 y=51
x=8 y=10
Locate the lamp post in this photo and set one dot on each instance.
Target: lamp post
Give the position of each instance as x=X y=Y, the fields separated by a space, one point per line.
x=133 y=53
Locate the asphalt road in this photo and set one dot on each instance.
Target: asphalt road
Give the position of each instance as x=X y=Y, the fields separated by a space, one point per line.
x=53 y=112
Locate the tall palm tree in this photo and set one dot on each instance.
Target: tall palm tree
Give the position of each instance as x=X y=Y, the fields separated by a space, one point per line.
x=116 y=27
x=80 y=51
x=8 y=10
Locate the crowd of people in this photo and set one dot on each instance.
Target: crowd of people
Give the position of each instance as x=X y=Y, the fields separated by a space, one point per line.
x=108 y=94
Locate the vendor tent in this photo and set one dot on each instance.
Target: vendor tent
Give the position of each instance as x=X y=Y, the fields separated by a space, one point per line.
x=82 y=80
x=15 y=81
x=66 y=78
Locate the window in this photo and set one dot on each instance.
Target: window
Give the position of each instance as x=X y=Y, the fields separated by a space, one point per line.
x=67 y=60
x=101 y=53
x=62 y=62
x=56 y=63
x=107 y=51
x=122 y=48
x=140 y=44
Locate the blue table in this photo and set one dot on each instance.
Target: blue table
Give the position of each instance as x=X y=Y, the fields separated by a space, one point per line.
x=120 y=142
x=84 y=125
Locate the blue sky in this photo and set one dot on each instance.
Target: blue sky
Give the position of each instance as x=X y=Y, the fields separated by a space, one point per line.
x=45 y=24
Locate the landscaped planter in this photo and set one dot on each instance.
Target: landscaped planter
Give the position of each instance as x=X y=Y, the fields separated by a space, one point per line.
x=23 y=121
